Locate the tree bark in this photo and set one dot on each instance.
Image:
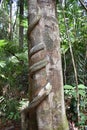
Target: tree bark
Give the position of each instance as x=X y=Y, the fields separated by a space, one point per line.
x=45 y=67
x=21 y=28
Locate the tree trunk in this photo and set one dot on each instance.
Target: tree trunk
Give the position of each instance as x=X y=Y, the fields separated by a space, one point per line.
x=21 y=28
x=45 y=67
x=10 y=21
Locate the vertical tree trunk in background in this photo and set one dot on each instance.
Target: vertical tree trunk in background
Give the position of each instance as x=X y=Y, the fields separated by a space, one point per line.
x=1 y=1
x=21 y=28
x=45 y=67
x=10 y=21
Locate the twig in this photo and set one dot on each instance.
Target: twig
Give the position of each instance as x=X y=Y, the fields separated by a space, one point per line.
x=73 y=62
x=83 y=5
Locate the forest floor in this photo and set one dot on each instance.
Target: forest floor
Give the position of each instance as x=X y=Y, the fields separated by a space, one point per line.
x=16 y=125
x=10 y=125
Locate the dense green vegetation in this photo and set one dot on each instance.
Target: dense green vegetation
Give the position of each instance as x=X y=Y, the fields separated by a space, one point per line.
x=72 y=19
x=73 y=25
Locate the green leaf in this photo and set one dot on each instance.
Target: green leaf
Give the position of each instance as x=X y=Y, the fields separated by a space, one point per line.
x=2 y=64
x=2 y=43
x=3 y=76
x=24 y=23
x=64 y=48
x=82 y=93
x=81 y=86
x=13 y=59
x=68 y=87
x=23 y=55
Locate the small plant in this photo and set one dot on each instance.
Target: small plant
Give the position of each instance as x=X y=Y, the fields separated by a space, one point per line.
x=71 y=103
x=9 y=108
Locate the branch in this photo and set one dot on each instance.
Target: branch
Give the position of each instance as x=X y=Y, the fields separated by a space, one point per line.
x=83 y=5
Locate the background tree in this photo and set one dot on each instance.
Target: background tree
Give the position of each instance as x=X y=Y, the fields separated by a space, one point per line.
x=75 y=16
x=13 y=64
x=21 y=28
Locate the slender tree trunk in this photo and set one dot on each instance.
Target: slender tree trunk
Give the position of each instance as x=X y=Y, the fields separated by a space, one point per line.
x=10 y=22
x=1 y=1
x=21 y=28
x=45 y=70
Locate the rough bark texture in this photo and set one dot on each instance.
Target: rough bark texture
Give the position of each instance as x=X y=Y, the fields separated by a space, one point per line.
x=45 y=67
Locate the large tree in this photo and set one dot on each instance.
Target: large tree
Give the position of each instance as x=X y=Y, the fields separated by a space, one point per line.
x=46 y=109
